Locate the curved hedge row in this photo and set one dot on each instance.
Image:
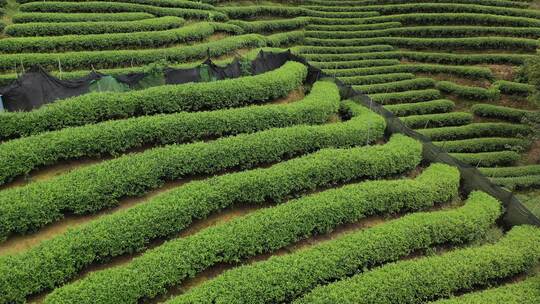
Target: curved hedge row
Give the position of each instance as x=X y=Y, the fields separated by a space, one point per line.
x=148 y=275
x=168 y=214
x=437 y=276
x=265 y=26
x=419 y=8
x=484 y=144
x=345 y=28
x=343 y=4
x=419 y=108
x=162 y=3
x=464 y=59
x=251 y=12
x=330 y=56
x=467 y=92
x=406 y=97
x=74 y=17
x=500 y=112
x=474 y=43
x=354 y=63
x=487 y=129
x=488 y=159
x=284 y=278
x=96 y=107
x=518 y=182
x=284 y=39
x=98 y=42
x=437 y=120
x=522 y=292
x=254 y=11
x=100 y=186
x=510 y=87
x=87 y=28
x=397 y=86
x=464 y=71
x=456 y=19
x=511 y=171
x=376 y=79
x=430 y=32
x=20 y=156
x=118 y=7
x=119 y=58
x=324 y=53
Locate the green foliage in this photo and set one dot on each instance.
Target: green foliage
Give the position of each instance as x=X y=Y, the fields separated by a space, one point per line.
x=405 y=97
x=20 y=156
x=269 y=26
x=122 y=58
x=284 y=39
x=445 y=18
x=484 y=144
x=160 y=3
x=323 y=53
x=465 y=59
x=500 y=112
x=191 y=97
x=428 y=31
x=283 y=278
x=437 y=120
x=377 y=78
x=87 y=28
x=464 y=71
x=488 y=159
x=522 y=292
x=78 y=17
x=240 y=238
x=397 y=86
x=354 y=63
x=138 y=39
x=511 y=171
x=117 y=7
x=476 y=43
x=531 y=72
x=254 y=11
x=432 y=277
x=518 y=182
x=338 y=4
x=467 y=92
x=488 y=129
x=510 y=87
x=166 y=215
x=100 y=186
x=419 y=108
x=419 y=8
x=351 y=27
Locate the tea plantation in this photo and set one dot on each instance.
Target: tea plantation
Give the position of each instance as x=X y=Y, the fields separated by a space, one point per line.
x=273 y=185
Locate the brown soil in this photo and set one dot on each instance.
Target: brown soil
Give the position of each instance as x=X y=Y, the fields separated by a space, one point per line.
x=20 y=243
x=220 y=268
x=48 y=172
x=502 y=71
x=533 y=155
x=295 y=95
x=212 y=220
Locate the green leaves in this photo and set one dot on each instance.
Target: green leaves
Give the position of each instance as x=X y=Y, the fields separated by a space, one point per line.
x=284 y=278
x=86 y=28
x=243 y=237
x=438 y=276
x=96 y=107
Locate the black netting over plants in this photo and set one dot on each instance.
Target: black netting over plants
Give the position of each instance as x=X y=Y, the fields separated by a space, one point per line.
x=471 y=179
x=37 y=87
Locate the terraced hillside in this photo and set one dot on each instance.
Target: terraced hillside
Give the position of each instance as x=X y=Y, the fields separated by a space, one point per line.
x=276 y=186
